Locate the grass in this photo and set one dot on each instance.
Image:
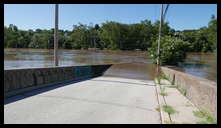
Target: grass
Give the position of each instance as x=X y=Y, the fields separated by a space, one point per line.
x=169 y=109
x=157 y=108
x=172 y=86
x=158 y=80
x=183 y=91
x=162 y=89
x=170 y=122
x=202 y=122
x=205 y=116
x=161 y=76
x=199 y=114
x=173 y=122
x=163 y=94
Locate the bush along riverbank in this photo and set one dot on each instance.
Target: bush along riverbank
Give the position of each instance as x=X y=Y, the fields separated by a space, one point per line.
x=172 y=50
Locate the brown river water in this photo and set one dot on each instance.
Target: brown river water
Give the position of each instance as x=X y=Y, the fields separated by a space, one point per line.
x=128 y=63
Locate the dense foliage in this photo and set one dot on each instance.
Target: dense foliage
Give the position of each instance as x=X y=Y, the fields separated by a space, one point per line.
x=172 y=50
x=203 y=39
x=111 y=35
x=118 y=36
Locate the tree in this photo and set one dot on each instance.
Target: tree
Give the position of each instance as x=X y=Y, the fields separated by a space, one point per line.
x=96 y=27
x=212 y=31
x=110 y=35
x=172 y=50
x=11 y=36
x=80 y=37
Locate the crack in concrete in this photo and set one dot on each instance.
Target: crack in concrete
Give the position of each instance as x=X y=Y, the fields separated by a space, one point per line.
x=96 y=101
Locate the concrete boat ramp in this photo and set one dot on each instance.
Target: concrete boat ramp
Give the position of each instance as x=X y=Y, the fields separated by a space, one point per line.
x=119 y=96
x=111 y=98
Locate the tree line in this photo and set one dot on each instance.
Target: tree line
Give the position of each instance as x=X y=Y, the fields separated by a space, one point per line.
x=112 y=35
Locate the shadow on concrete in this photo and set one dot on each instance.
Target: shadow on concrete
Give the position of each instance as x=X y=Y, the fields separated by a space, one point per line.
x=41 y=90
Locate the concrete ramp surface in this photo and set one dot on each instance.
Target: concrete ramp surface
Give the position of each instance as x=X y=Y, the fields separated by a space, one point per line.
x=101 y=100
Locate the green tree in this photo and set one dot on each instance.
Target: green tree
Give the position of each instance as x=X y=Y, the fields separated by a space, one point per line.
x=80 y=37
x=110 y=35
x=212 y=31
x=172 y=50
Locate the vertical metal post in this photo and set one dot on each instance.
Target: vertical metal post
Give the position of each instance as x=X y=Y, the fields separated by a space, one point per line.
x=48 y=44
x=95 y=45
x=94 y=42
x=158 y=50
x=56 y=36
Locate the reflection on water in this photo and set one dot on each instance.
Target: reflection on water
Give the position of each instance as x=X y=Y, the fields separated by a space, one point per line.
x=201 y=64
x=198 y=64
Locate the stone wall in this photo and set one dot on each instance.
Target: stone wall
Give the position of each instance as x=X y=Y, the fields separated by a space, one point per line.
x=18 y=81
x=202 y=92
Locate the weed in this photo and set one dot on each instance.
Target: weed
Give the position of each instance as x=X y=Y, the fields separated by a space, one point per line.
x=205 y=116
x=169 y=122
x=169 y=109
x=198 y=114
x=162 y=89
x=210 y=119
x=183 y=91
x=173 y=122
x=163 y=94
x=202 y=122
x=172 y=86
x=157 y=108
x=163 y=76
x=157 y=80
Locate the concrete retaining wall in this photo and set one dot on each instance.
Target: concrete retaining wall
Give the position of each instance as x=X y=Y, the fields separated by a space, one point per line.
x=18 y=81
x=202 y=92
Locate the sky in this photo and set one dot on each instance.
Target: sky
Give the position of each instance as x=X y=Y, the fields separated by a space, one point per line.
x=33 y=16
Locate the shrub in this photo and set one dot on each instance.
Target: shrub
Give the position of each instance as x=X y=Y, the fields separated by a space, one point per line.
x=206 y=117
x=172 y=50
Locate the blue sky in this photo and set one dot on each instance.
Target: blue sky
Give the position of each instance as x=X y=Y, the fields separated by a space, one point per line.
x=33 y=16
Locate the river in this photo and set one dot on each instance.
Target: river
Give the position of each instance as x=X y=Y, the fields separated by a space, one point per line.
x=199 y=64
